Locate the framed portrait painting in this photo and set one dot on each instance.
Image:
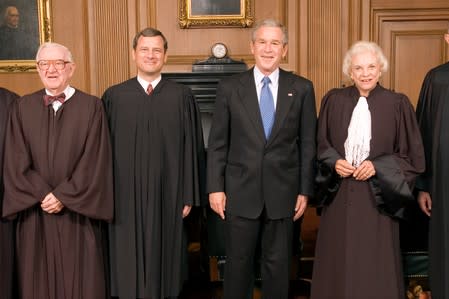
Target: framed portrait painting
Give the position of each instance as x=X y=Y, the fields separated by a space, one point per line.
x=215 y=13
x=24 y=25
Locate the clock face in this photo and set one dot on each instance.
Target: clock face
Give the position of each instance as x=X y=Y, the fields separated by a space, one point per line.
x=219 y=50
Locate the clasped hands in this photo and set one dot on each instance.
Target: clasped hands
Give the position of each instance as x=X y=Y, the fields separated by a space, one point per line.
x=51 y=204
x=362 y=173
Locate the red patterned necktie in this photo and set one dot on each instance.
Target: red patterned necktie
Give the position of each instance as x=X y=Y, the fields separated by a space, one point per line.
x=149 y=89
x=48 y=99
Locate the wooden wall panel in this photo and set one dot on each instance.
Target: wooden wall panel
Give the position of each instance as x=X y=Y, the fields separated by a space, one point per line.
x=408 y=4
x=109 y=43
x=324 y=45
x=70 y=29
x=413 y=43
x=406 y=70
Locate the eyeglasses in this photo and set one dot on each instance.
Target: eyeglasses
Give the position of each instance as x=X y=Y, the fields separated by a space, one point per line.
x=59 y=64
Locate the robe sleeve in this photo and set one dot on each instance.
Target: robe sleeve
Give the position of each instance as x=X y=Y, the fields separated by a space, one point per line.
x=396 y=173
x=105 y=99
x=88 y=191
x=24 y=186
x=194 y=155
x=7 y=99
x=327 y=182
x=426 y=118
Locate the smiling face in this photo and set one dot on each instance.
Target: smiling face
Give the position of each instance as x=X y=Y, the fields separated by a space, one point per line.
x=54 y=80
x=150 y=57
x=268 y=48
x=365 y=72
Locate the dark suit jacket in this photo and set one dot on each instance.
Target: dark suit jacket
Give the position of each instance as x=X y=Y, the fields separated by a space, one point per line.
x=254 y=172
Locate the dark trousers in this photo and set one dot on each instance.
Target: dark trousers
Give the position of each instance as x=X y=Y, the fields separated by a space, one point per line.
x=242 y=236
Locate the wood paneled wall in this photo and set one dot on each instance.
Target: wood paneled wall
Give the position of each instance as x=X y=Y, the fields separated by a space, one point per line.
x=109 y=41
x=324 y=44
x=412 y=39
x=100 y=32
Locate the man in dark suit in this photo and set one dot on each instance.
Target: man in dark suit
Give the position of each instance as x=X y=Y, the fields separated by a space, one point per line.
x=260 y=163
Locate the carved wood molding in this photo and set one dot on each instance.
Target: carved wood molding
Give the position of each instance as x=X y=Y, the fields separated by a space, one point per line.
x=190 y=59
x=379 y=16
x=395 y=29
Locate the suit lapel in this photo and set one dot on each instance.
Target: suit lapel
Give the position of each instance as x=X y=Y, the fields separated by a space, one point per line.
x=248 y=97
x=285 y=99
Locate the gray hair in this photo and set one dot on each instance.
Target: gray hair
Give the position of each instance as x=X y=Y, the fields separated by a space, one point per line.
x=270 y=23
x=54 y=45
x=362 y=47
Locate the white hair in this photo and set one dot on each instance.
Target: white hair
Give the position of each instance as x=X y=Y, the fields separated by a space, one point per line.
x=47 y=45
x=362 y=47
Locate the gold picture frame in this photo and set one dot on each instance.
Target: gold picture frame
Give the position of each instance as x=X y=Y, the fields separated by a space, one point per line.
x=215 y=13
x=32 y=28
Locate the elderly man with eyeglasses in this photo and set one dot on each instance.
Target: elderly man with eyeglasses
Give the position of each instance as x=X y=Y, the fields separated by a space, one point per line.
x=58 y=184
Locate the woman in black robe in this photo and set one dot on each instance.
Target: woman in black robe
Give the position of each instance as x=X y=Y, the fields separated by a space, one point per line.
x=369 y=153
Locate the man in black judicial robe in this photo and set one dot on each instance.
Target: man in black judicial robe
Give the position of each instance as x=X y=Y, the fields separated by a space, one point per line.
x=58 y=184
x=157 y=151
x=433 y=117
x=6 y=227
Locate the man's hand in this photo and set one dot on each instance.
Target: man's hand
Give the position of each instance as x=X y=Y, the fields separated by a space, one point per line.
x=300 y=207
x=343 y=168
x=186 y=211
x=217 y=201
x=51 y=204
x=425 y=202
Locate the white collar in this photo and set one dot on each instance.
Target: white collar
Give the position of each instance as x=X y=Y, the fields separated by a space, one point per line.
x=258 y=76
x=144 y=83
x=69 y=91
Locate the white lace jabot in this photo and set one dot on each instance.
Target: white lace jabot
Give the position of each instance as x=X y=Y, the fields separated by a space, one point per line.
x=357 y=144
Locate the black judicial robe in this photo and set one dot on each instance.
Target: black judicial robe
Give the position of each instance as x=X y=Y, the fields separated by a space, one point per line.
x=357 y=252
x=433 y=116
x=6 y=227
x=158 y=159
x=68 y=153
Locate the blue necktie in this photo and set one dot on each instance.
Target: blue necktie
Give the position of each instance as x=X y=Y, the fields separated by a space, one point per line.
x=266 y=106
